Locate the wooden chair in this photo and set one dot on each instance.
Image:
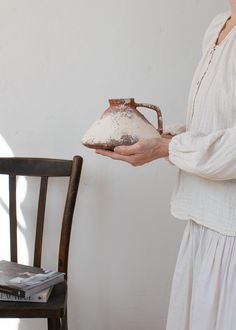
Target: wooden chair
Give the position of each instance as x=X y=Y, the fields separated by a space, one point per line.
x=55 y=310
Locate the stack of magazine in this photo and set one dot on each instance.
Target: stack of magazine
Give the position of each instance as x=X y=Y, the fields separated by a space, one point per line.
x=25 y=283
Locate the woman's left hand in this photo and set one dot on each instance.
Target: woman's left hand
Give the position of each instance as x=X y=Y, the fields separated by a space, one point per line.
x=140 y=153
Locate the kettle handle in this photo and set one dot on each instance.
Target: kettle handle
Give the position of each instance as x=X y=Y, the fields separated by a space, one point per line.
x=159 y=114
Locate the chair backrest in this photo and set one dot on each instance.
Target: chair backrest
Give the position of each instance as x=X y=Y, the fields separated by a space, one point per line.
x=43 y=168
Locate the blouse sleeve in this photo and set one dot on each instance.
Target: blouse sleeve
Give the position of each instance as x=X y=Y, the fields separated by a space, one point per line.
x=173 y=129
x=211 y=156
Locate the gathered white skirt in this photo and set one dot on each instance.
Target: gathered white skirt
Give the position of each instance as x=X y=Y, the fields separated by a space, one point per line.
x=203 y=294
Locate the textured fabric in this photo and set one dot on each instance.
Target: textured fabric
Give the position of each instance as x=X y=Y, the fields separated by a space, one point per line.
x=206 y=152
x=204 y=287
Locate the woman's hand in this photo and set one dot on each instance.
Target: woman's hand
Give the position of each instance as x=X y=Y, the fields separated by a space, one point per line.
x=140 y=153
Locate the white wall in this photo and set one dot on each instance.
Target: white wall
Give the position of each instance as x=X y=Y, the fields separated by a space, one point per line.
x=60 y=61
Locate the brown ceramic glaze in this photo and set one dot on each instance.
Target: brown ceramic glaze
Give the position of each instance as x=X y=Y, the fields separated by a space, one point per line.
x=131 y=105
x=126 y=108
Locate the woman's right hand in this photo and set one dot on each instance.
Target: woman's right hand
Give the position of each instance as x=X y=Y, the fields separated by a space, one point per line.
x=140 y=153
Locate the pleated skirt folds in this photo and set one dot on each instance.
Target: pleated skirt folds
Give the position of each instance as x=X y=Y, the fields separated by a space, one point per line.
x=203 y=294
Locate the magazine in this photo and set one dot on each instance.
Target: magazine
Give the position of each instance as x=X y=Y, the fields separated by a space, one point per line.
x=24 y=281
x=41 y=297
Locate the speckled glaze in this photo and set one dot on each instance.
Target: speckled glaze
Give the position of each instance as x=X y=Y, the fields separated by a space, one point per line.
x=122 y=124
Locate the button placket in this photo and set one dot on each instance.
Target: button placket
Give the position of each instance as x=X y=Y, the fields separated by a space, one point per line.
x=199 y=82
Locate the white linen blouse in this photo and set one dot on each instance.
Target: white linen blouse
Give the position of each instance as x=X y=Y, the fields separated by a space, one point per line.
x=205 y=152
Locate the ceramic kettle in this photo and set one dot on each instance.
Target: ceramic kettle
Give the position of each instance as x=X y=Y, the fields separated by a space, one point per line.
x=122 y=124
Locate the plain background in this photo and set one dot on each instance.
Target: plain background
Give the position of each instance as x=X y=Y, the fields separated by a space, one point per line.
x=60 y=61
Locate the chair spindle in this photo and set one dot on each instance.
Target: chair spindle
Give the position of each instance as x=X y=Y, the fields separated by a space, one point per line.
x=13 y=217
x=40 y=221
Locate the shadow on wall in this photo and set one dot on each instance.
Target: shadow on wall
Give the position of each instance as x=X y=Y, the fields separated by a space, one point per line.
x=6 y=151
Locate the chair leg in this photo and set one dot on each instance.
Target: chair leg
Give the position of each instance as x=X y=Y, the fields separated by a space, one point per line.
x=54 y=324
x=64 y=323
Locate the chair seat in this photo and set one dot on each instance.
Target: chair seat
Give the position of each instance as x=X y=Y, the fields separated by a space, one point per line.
x=54 y=308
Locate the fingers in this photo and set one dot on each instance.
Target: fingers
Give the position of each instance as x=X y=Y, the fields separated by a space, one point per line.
x=104 y=152
x=128 y=150
x=121 y=150
x=113 y=155
x=140 y=147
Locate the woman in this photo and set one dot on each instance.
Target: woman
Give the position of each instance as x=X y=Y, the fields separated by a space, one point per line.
x=203 y=295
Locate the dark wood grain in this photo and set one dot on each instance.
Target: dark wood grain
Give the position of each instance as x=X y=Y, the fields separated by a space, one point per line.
x=35 y=166
x=55 y=310
x=54 y=324
x=40 y=221
x=13 y=218
x=68 y=216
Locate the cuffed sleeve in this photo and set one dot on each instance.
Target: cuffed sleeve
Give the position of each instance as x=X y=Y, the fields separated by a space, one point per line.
x=173 y=129
x=211 y=156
